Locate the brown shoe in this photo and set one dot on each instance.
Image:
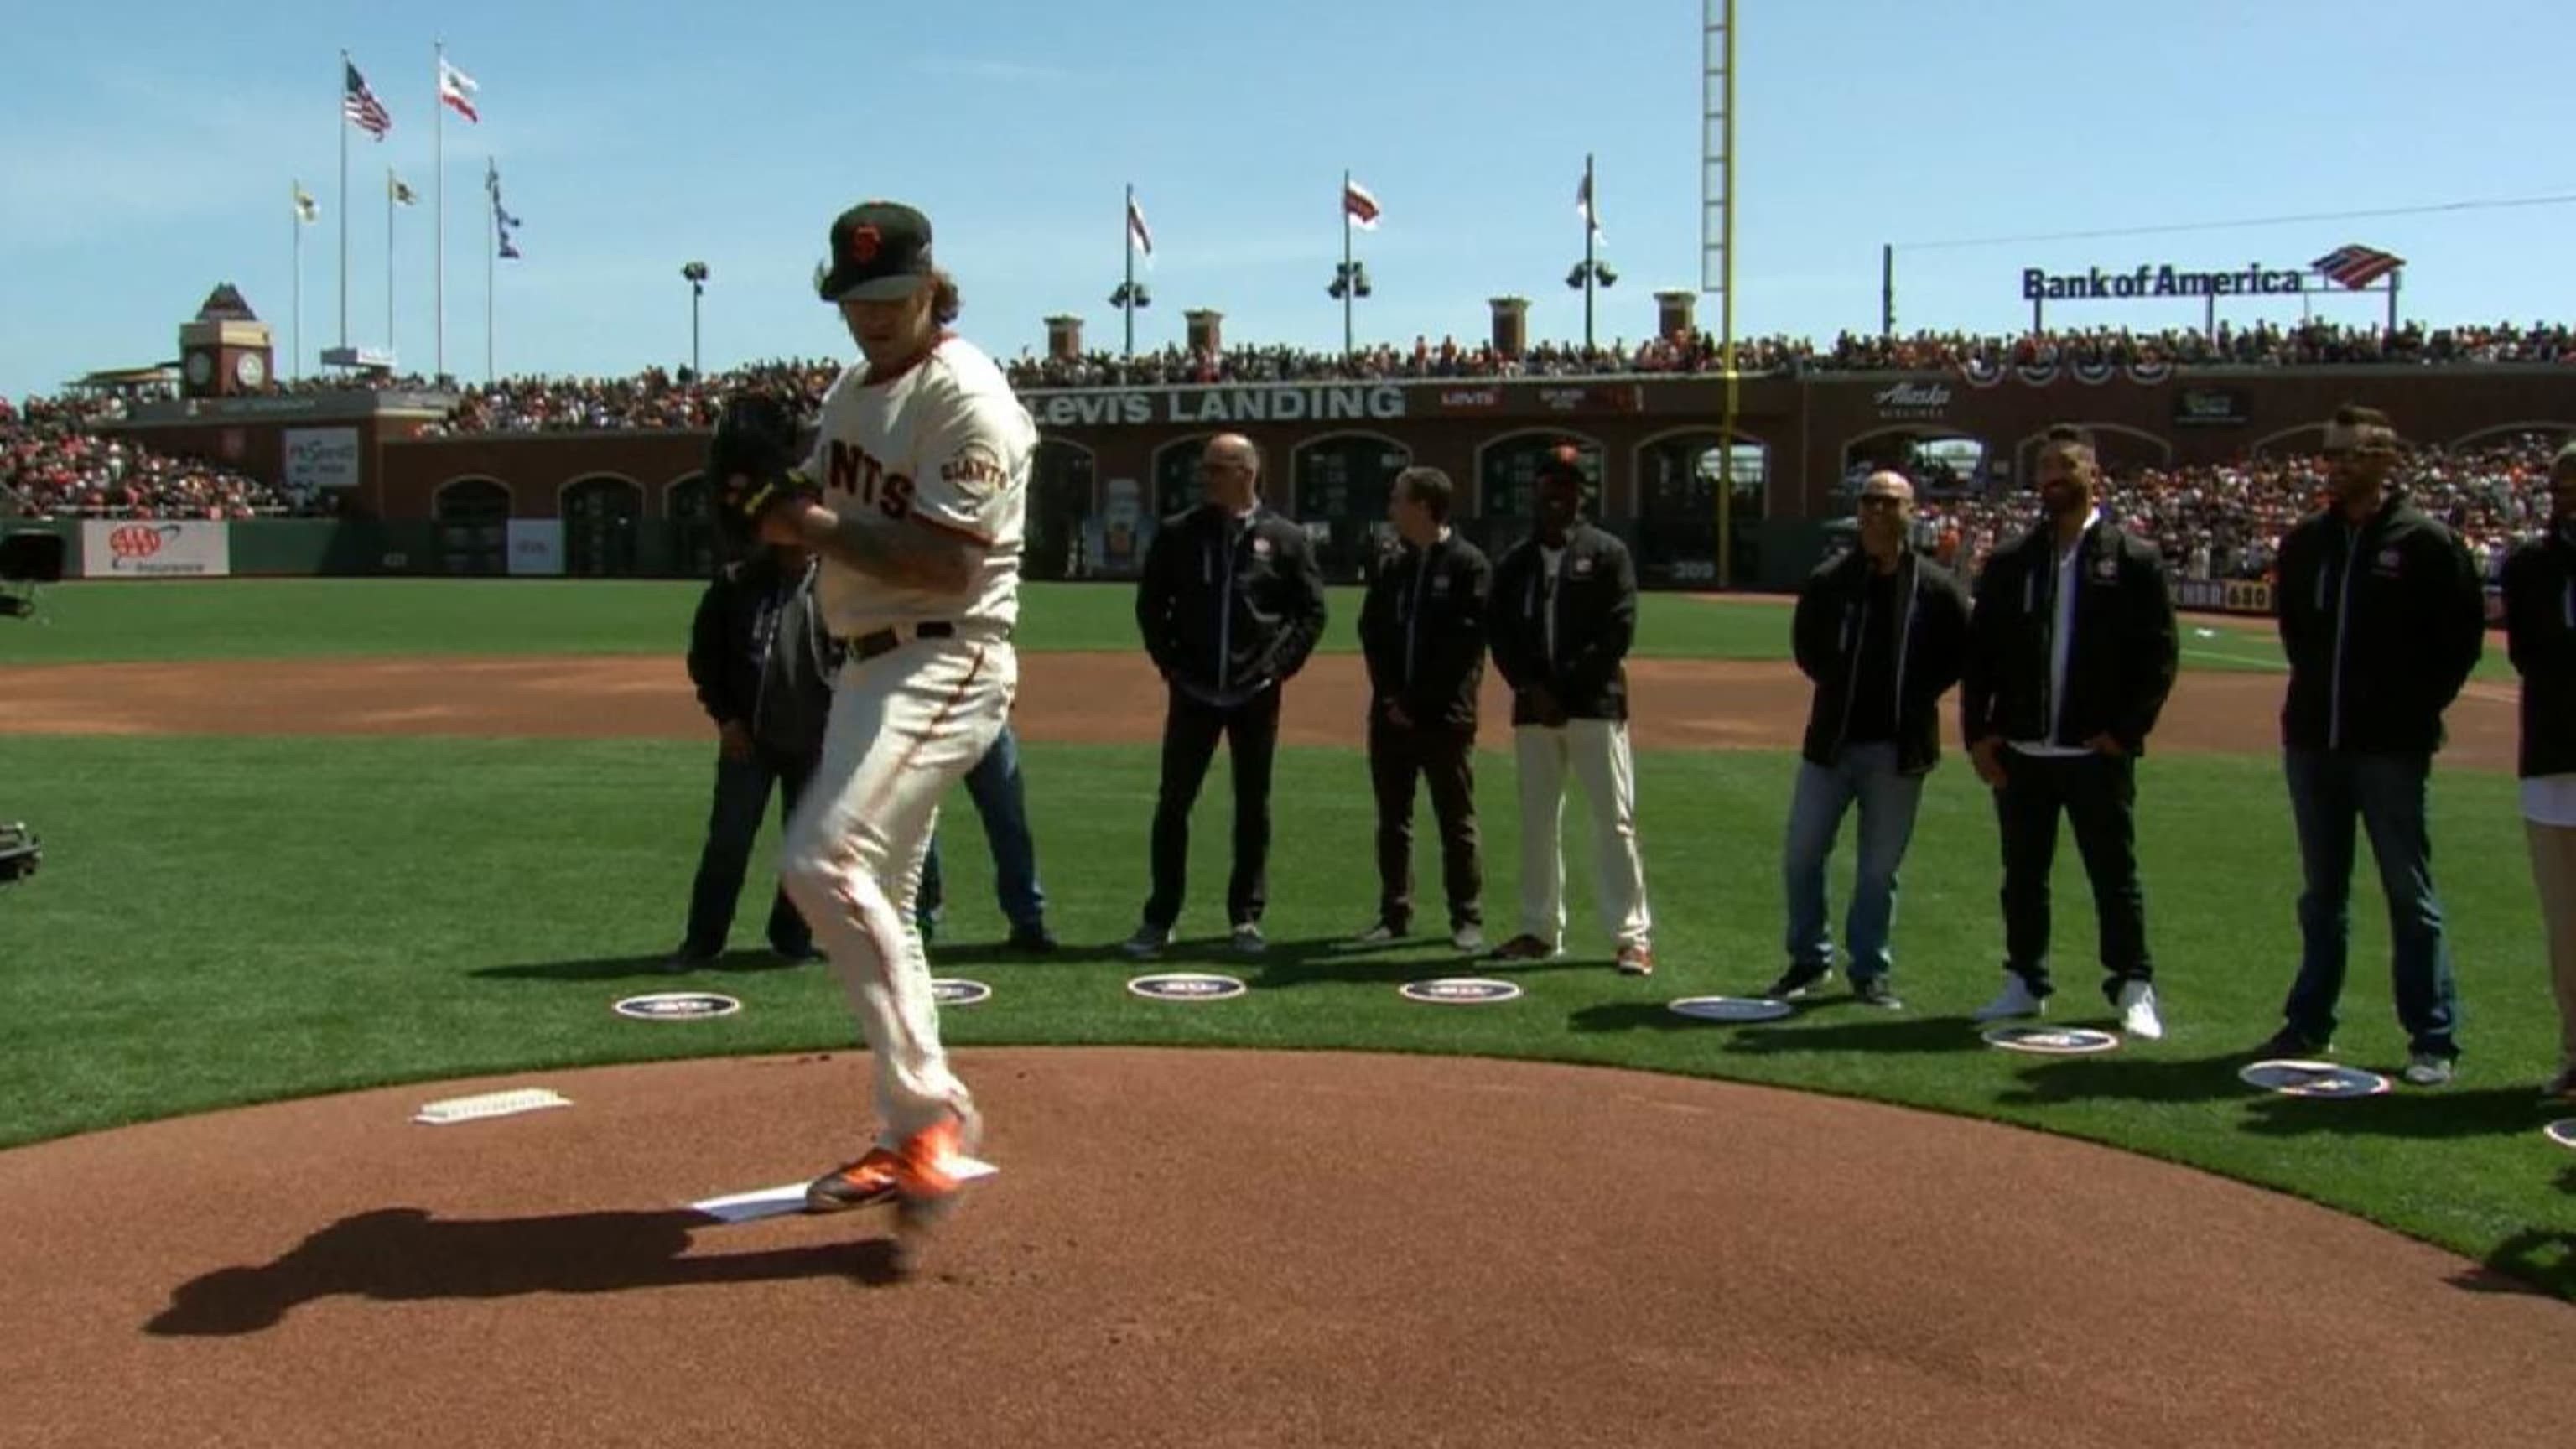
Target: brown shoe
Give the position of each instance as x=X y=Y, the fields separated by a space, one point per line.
x=1523 y=947
x=1636 y=961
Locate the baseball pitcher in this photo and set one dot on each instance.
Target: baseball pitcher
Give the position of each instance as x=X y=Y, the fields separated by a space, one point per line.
x=913 y=495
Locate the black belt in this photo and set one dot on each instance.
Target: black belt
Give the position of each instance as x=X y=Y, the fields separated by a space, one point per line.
x=886 y=641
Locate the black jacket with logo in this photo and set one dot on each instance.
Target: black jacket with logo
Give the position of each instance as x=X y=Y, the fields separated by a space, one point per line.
x=1229 y=606
x=2540 y=625
x=1422 y=629
x=1595 y=603
x=1931 y=650
x=2382 y=625
x=759 y=655
x=2125 y=651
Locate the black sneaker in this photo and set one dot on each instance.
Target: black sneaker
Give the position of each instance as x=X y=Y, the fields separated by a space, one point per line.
x=2292 y=1044
x=1036 y=939
x=1874 y=991
x=1800 y=981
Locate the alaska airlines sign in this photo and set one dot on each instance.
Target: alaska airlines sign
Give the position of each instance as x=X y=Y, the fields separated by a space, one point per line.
x=2147 y=280
x=1281 y=403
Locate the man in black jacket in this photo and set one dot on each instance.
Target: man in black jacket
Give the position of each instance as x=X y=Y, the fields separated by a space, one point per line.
x=2071 y=653
x=1883 y=632
x=2540 y=623
x=1561 y=618
x=762 y=663
x=1422 y=629
x=1230 y=606
x=2382 y=615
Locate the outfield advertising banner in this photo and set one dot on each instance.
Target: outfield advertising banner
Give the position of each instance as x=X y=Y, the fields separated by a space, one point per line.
x=321 y=460
x=155 y=548
x=536 y=547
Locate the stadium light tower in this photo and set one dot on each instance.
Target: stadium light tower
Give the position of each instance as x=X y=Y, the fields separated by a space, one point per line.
x=695 y=274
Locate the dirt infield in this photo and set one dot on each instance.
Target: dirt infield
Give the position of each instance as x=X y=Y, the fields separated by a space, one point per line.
x=1223 y=1248
x=1088 y=698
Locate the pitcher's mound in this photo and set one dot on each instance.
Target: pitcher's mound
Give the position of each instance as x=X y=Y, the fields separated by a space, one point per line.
x=1221 y=1248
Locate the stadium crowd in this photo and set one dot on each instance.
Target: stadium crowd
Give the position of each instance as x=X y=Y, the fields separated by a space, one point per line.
x=2262 y=345
x=54 y=463
x=659 y=399
x=2226 y=521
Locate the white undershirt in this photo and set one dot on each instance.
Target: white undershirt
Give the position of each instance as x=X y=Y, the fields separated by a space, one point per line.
x=1550 y=561
x=2061 y=646
x=2550 y=800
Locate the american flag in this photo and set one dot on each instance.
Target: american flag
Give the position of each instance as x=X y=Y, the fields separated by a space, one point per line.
x=359 y=104
x=1583 y=205
x=2357 y=267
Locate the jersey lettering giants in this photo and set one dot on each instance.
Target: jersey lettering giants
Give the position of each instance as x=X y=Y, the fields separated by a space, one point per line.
x=853 y=474
x=944 y=446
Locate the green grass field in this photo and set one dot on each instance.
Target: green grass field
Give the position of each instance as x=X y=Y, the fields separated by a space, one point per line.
x=314 y=618
x=225 y=920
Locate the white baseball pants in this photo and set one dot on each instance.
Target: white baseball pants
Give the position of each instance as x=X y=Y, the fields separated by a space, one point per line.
x=1596 y=752
x=904 y=727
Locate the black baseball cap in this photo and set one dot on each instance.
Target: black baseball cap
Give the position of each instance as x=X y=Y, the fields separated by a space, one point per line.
x=880 y=252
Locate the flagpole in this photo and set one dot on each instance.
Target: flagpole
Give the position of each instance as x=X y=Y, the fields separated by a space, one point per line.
x=344 y=199
x=1591 y=209
x=491 y=247
x=1344 y=202
x=1127 y=236
x=438 y=224
x=389 y=259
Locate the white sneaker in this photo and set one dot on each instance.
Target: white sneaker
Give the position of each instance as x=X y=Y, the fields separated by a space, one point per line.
x=1467 y=940
x=1378 y=935
x=2014 y=1000
x=1247 y=939
x=2138 y=1011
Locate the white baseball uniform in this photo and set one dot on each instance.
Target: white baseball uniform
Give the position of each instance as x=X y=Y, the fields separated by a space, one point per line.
x=927 y=685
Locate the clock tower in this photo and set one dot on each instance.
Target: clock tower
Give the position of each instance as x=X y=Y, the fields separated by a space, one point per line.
x=225 y=351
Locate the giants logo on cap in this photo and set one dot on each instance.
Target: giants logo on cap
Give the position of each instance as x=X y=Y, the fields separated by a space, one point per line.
x=864 y=240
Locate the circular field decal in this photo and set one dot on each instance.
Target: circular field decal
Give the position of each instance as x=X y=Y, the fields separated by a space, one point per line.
x=953 y=992
x=1186 y=986
x=1732 y=1008
x=2055 y=1041
x=1459 y=990
x=678 y=1006
x=2563 y=1133
x=2313 y=1079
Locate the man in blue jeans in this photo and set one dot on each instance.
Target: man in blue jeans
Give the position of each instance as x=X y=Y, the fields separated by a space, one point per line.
x=1883 y=633
x=994 y=785
x=2382 y=615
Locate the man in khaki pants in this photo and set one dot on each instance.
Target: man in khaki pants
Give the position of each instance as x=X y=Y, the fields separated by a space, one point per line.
x=2540 y=618
x=1561 y=617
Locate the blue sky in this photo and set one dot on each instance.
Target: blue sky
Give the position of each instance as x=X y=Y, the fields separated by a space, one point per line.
x=148 y=150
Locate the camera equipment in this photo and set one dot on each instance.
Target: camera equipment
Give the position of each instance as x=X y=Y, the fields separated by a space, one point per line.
x=28 y=559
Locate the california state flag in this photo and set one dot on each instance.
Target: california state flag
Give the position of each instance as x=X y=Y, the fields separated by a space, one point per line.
x=456 y=90
x=1359 y=205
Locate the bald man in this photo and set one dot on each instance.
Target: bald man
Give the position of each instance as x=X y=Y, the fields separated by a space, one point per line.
x=1883 y=633
x=1230 y=606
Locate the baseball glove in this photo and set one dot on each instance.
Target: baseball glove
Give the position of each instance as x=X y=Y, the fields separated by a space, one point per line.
x=751 y=463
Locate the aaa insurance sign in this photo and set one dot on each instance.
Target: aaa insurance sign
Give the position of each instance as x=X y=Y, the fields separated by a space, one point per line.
x=155 y=548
